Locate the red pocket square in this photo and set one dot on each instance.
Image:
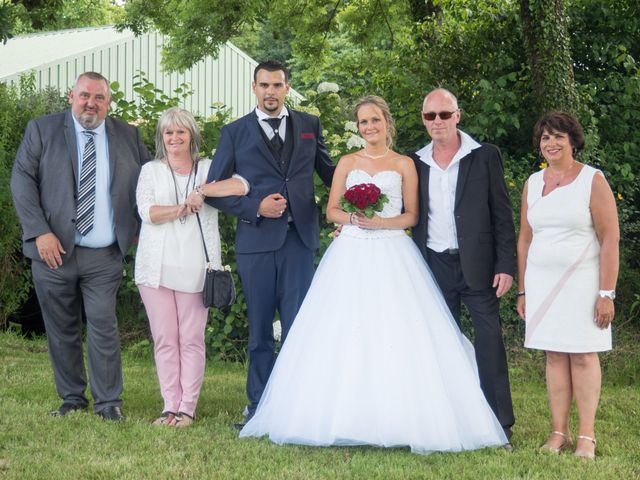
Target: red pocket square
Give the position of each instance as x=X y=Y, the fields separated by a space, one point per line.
x=307 y=136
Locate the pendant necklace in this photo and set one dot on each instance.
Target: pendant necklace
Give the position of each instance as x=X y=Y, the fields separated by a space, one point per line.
x=182 y=219
x=364 y=150
x=557 y=182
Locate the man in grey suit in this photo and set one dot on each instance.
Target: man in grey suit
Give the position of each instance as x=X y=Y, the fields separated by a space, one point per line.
x=73 y=186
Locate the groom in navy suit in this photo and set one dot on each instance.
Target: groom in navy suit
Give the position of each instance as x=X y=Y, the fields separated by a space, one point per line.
x=276 y=150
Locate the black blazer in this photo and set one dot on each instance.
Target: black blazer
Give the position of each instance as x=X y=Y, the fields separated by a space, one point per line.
x=483 y=216
x=242 y=150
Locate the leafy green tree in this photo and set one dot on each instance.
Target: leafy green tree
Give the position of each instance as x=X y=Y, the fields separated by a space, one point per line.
x=18 y=105
x=5 y=21
x=197 y=28
x=545 y=27
x=28 y=16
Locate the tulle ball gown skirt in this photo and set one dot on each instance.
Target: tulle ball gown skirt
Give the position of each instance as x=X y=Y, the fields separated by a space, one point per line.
x=375 y=358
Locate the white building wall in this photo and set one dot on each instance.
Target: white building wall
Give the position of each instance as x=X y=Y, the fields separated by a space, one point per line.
x=120 y=57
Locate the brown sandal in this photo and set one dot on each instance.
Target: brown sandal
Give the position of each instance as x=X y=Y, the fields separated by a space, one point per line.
x=589 y=455
x=567 y=443
x=183 y=420
x=166 y=418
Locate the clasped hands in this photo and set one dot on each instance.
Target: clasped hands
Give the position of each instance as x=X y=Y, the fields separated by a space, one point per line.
x=360 y=220
x=193 y=204
x=272 y=206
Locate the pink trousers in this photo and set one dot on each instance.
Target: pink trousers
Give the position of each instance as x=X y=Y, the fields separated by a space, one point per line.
x=177 y=321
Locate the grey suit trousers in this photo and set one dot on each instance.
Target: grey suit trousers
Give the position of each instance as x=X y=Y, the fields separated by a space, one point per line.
x=89 y=277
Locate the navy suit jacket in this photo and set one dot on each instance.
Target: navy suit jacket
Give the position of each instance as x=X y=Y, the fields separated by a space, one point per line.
x=242 y=150
x=45 y=178
x=483 y=216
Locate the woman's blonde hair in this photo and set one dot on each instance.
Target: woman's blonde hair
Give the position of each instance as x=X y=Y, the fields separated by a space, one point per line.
x=384 y=108
x=178 y=117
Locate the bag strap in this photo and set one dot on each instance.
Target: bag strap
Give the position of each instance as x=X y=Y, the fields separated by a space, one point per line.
x=204 y=245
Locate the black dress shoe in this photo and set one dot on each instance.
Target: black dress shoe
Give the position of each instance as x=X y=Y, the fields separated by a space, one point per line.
x=239 y=426
x=67 y=407
x=111 y=413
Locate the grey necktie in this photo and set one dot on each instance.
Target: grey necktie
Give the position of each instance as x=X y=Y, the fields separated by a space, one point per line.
x=87 y=186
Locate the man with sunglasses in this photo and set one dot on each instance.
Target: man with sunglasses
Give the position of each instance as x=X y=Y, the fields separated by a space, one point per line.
x=466 y=234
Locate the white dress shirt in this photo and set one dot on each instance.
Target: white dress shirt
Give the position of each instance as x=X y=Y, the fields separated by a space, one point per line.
x=266 y=128
x=441 y=231
x=103 y=232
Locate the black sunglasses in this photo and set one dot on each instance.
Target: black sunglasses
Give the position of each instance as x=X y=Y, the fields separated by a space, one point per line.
x=443 y=115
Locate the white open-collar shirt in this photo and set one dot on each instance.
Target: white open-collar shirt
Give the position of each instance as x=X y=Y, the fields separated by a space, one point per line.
x=441 y=230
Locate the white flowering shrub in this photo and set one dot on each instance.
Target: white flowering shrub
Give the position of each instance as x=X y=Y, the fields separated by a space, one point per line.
x=355 y=141
x=328 y=87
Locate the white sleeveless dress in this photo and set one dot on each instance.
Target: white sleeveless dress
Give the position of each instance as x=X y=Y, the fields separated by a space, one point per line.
x=562 y=271
x=374 y=356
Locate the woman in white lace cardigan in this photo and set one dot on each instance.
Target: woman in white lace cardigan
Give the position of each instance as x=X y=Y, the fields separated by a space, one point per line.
x=170 y=261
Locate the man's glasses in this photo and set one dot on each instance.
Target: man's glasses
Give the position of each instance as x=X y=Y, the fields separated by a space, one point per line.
x=443 y=115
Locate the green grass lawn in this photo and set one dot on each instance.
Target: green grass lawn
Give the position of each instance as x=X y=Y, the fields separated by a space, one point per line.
x=34 y=445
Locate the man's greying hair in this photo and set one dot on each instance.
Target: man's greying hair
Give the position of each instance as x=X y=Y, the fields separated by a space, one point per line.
x=93 y=76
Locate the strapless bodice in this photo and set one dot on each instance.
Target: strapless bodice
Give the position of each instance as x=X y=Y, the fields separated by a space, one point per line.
x=390 y=183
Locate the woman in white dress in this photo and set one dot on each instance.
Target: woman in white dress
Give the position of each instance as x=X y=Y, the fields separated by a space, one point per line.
x=567 y=271
x=170 y=260
x=374 y=356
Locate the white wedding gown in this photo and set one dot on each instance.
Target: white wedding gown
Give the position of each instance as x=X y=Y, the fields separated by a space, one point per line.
x=374 y=356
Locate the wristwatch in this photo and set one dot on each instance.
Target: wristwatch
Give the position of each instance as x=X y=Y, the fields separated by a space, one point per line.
x=608 y=294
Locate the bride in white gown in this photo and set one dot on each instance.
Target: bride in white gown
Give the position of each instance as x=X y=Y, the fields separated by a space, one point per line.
x=374 y=356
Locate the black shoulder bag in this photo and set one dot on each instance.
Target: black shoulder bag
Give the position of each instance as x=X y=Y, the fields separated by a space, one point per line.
x=219 y=289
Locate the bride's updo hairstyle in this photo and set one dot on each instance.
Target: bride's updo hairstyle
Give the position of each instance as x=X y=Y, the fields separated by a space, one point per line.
x=384 y=108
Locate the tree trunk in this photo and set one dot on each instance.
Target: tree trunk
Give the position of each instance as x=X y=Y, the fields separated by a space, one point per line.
x=423 y=9
x=544 y=24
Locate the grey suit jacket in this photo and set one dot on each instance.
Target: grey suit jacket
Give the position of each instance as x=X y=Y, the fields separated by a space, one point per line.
x=45 y=175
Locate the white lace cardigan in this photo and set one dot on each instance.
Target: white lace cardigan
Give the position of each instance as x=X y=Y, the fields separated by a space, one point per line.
x=153 y=237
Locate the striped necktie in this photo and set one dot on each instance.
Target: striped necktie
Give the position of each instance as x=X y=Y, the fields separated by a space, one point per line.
x=87 y=186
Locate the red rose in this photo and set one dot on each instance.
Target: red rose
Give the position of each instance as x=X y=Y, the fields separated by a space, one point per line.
x=363 y=196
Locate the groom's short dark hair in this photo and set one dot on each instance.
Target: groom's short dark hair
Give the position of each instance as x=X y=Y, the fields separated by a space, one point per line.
x=271 y=66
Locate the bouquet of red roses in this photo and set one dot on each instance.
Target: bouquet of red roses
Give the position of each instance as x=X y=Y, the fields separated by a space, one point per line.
x=365 y=198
